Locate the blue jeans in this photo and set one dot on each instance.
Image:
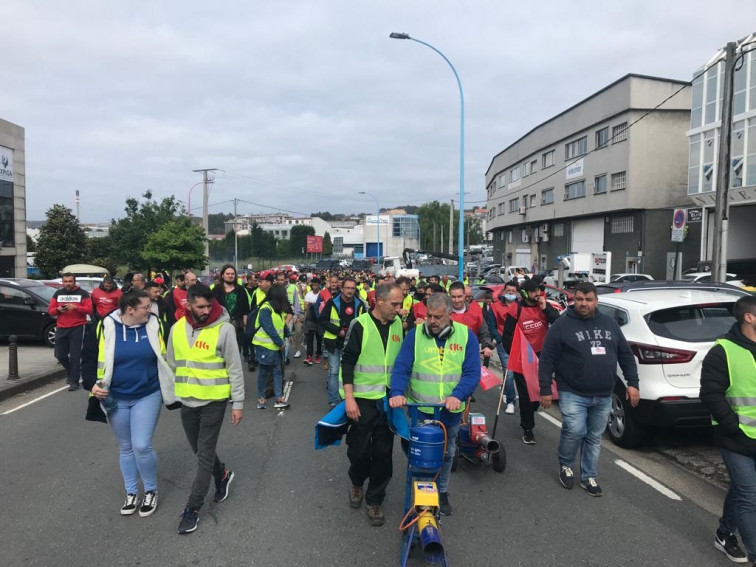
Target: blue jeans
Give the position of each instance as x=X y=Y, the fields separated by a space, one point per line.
x=334 y=363
x=740 y=503
x=269 y=361
x=584 y=420
x=133 y=422
x=510 y=393
x=451 y=421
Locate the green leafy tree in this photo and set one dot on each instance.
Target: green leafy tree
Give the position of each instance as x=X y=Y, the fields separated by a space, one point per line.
x=61 y=241
x=176 y=244
x=473 y=231
x=283 y=248
x=215 y=222
x=142 y=220
x=327 y=244
x=298 y=240
x=31 y=246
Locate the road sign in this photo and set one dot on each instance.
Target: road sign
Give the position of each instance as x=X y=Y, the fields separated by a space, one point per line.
x=678 y=218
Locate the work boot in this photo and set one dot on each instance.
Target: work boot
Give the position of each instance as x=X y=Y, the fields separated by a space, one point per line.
x=444 y=506
x=355 y=496
x=375 y=515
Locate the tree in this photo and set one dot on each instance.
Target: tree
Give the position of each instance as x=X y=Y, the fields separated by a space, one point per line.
x=327 y=244
x=31 y=246
x=177 y=244
x=215 y=222
x=141 y=221
x=473 y=231
x=61 y=241
x=283 y=248
x=298 y=240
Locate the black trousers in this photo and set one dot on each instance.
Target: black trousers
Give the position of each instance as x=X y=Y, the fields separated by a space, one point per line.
x=68 y=342
x=314 y=339
x=202 y=426
x=527 y=408
x=371 y=444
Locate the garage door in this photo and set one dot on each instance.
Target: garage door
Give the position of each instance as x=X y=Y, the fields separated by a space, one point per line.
x=588 y=235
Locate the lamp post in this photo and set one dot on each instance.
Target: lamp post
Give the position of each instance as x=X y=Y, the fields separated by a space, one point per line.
x=377 y=224
x=460 y=236
x=189 y=200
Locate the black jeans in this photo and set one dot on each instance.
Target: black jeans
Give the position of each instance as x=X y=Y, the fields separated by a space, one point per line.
x=527 y=408
x=371 y=444
x=314 y=343
x=68 y=343
x=202 y=426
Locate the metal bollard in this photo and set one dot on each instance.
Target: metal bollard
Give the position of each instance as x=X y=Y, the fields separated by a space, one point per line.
x=13 y=358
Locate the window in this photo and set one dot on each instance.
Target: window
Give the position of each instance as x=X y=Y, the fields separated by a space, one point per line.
x=599 y=184
x=618 y=315
x=526 y=169
x=710 y=113
x=696 y=110
x=602 y=137
x=548 y=159
x=558 y=229
x=618 y=181
x=622 y=225
x=533 y=166
x=514 y=205
x=694 y=164
x=501 y=235
x=547 y=196
x=574 y=190
x=707 y=168
x=619 y=133
x=501 y=208
x=751 y=159
x=692 y=323
x=514 y=175
x=736 y=154
x=532 y=201
x=576 y=148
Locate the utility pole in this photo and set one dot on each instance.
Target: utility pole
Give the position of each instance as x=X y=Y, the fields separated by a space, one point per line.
x=722 y=206
x=451 y=228
x=205 y=222
x=236 y=239
x=434 y=237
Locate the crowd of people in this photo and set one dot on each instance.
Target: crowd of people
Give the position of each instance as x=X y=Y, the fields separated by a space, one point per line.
x=382 y=342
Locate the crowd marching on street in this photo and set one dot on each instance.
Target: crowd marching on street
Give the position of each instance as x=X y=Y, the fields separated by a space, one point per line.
x=381 y=342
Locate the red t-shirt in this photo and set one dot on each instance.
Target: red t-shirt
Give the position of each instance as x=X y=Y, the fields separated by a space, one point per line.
x=472 y=318
x=532 y=323
x=105 y=301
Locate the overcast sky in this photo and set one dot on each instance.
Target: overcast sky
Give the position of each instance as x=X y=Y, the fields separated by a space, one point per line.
x=302 y=104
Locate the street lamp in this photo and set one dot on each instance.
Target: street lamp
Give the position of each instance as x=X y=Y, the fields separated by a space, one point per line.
x=377 y=223
x=460 y=236
x=189 y=199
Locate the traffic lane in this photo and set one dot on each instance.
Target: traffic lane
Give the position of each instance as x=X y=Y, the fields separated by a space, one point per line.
x=288 y=503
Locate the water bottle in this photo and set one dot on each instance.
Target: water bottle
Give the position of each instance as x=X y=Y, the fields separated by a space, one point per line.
x=108 y=403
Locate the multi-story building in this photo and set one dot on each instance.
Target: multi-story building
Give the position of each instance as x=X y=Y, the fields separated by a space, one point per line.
x=602 y=176
x=397 y=232
x=12 y=201
x=705 y=125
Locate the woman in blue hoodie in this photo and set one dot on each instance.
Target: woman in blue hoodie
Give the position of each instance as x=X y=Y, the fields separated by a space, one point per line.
x=132 y=381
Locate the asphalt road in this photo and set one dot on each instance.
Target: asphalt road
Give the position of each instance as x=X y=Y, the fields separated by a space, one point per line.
x=61 y=491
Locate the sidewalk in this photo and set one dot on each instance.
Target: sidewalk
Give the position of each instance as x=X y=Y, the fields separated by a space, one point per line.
x=36 y=366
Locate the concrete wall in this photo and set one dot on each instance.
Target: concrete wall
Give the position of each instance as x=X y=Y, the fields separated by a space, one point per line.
x=14 y=137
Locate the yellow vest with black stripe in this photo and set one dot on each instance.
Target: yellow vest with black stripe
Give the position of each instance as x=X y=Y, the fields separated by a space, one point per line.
x=435 y=375
x=200 y=373
x=741 y=395
x=372 y=373
x=262 y=338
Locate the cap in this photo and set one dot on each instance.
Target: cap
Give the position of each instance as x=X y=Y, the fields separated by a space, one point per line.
x=159 y=281
x=530 y=285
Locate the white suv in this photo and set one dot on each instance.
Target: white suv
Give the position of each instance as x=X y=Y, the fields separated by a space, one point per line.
x=670 y=331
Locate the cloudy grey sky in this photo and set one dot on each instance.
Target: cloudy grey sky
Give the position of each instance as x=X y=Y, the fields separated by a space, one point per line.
x=303 y=104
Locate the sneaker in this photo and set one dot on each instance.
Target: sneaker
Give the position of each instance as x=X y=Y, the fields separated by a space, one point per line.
x=281 y=404
x=727 y=543
x=73 y=387
x=444 y=506
x=252 y=368
x=221 y=486
x=297 y=354
x=189 y=521
x=566 y=477
x=527 y=437
x=149 y=504
x=510 y=409
x=317 y=359
x=129 y=505
x=355 y=496
x=325 y=365
x=308 y=360
x=375 y=515
x=261 y=403
x=591 y=486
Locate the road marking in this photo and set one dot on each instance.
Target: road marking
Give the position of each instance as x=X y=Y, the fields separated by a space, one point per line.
x=34 y=401
x=647 y=479
x=550 y=418
x=286 y=393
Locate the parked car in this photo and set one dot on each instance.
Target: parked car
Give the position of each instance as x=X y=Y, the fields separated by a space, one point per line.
x=86 y=283
x=23 y=310
x=705 y=277
x=644 y=285
x=669 y=331
x=629 y=277
x=362 y=265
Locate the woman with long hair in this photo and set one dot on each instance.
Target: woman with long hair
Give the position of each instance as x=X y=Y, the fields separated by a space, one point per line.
x=269 y=343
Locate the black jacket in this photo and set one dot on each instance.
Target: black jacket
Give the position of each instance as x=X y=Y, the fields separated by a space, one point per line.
x=242 y=302
x=715 y=379
x=346 y=311
x=583 y=355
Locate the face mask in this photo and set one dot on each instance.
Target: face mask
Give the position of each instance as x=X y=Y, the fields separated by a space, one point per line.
x=510 y=296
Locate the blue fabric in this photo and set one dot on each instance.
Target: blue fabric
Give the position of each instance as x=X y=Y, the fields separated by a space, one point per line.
x=468 y=381
x=333 y=426
x=135 y=371
x=491 y=321
x=740 y=503
x=584 y=420
x=451 y=421
x=269 y=361
x=133 y=422
x=266 y=322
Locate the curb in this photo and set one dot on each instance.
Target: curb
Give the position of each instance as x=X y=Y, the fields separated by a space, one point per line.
x=21 y=385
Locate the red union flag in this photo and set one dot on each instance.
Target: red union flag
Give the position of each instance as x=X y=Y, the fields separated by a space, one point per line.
x=524 y=360
x=314 y=244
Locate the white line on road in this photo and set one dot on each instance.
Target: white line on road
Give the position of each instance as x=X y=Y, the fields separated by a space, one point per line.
x=34 y=401
x=647 y=479
x=550 y=418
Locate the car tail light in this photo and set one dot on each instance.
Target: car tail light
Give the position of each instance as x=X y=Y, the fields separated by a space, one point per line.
x=651 y=354
x=617 y=290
